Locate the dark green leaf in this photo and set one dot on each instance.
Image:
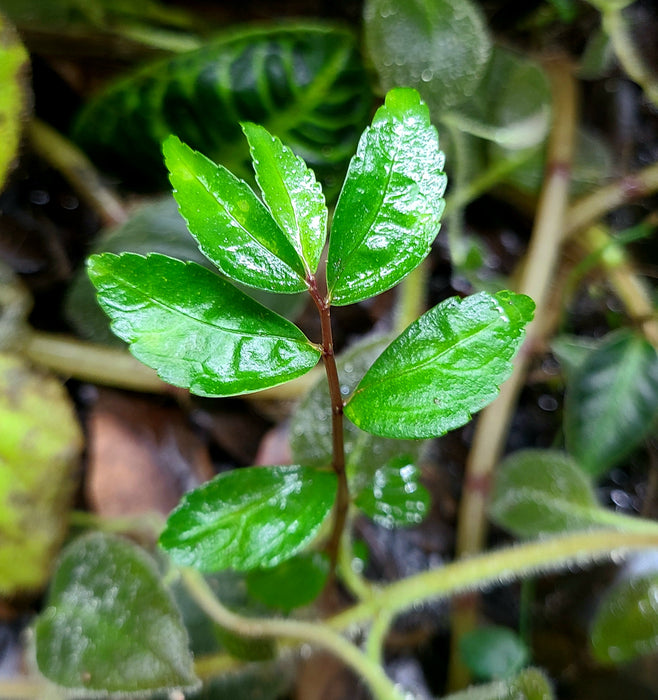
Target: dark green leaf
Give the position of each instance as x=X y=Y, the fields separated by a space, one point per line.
x=542 y=491
x=156 y=227
x=249 y=518
x=310 y=431
x=291 y=193
x=440 y=47
x=195 y=328
x=303 y=81
x=443 y=367
x=110 y=626
x=611 y=402
x=626 y=623
x=395 y=497
x=232 y=226
x=390 y=208
x=493 y=652
x=291 y=584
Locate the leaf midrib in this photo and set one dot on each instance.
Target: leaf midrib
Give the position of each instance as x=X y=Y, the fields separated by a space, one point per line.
x=173 y=309
x=417 y=367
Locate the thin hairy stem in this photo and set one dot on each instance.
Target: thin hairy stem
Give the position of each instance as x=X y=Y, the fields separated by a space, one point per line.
x=305 y=632
x=337 y=437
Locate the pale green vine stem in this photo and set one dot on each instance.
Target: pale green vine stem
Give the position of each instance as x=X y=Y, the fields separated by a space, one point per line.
x=541 y=259
x=592 y=207
x=91 y=362
x=377 y=635
x=356 y=584
x=616 y=27
x=304 y=632
x=496 y=568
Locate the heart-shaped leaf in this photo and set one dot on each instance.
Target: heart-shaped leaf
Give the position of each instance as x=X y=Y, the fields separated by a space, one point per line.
x=291 y=193
x=232 y=226
x=110 y=627
x=249 y=518
x=195 y=328
x=390 y=207
x=440 y=47
x=611 y=402
x=626 y=623
x=443 y=367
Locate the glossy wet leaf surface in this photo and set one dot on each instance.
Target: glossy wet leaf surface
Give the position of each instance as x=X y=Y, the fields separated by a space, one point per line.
x=395 y=497
x=249 y=518
x=232 y=226
x=445 y=366
x=440 y=47
x=390 y=207
x=40 y=445
x=291 y=584
x=155 y=227
x=14 y=74
x=110 y=626
x=195 y=328
x=611 y=402
x=626 y=622
x=291 y=193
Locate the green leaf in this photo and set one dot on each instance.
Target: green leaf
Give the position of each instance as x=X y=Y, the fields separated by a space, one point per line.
x=512 y=106
x=14 y=100
x=155 y=227
x=440 y=47
x=291 y=193
x=389 y=210
x=626 y=623
x=249 y=518
x=303 y=81
x=611 y=402
x=395 y=497
x=232 y=226
x=311 y=432
x=110 y=626
x=195 y=328
x=291 y=584
x=493 y=652
x=40 y=445
x=443 y=367
x=530 y=684
x=543 y=491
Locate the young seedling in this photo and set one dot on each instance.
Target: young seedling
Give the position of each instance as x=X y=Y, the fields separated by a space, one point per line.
x=199 y=331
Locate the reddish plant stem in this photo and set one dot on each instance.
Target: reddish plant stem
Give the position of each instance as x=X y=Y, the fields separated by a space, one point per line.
x=338 y=444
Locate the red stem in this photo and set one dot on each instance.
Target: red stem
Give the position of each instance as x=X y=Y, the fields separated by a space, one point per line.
x=338 y=452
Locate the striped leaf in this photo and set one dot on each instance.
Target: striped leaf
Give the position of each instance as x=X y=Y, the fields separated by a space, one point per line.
x=303 y=82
